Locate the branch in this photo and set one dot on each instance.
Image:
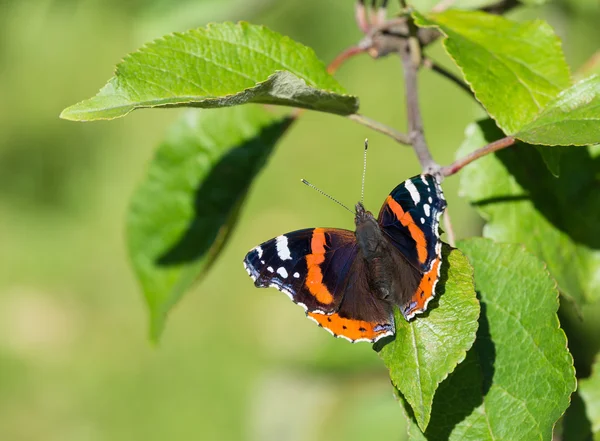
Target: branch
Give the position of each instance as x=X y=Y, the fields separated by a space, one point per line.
x=490 y=148
x=430 y=64
x=381 y=128
x=410 y=53
x=382 y=36
x=449 y=229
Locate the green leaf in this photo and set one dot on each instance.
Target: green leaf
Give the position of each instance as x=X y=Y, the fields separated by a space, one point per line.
x=589 y=389
x=455 y=400
x=221 y=65
x=186 y=207
x=554 y=217
x=516 y=380
x=514 y=69
x=573 y=118
x=429 y=347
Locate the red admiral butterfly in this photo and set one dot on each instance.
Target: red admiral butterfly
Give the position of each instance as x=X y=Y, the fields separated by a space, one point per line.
x=348 y=282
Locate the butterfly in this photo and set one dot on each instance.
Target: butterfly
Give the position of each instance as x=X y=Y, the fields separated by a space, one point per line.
x=349 y=282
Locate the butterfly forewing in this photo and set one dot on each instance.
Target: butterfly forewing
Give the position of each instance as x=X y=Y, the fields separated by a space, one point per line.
x=308 y=265
x=410 y=216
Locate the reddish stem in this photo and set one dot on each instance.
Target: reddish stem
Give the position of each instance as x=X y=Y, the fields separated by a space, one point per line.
x=490 y=148
x=343 y=57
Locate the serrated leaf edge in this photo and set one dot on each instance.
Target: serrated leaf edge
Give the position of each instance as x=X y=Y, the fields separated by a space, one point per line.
x=164 y=38
x=557 y=302
x=459 y=360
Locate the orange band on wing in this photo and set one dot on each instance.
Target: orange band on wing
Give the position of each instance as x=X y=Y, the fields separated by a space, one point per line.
x=314 y=279
x=351 y=329
x=415 y=232
x=425 y=290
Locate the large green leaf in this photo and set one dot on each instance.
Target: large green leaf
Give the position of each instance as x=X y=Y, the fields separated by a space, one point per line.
x=429 y=347
x=516 y=380
x=514 y=69
x=221 y=65
x=187 y=205
x=573 y=118
x=556 y=218
x=589 y=389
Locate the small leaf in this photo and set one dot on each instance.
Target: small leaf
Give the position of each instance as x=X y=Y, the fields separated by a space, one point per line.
x=514 y=69
x=516 y=380
x=573 y=118
x=554 y=217
x=589 y=389
x=222 y=65
x=429 y=347
x=185 y=209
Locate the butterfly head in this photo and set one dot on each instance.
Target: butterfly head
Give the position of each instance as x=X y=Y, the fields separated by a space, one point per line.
x=368 y=233
x=362 y=215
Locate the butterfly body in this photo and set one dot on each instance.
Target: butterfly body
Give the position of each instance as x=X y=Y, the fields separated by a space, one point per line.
x=350 y=282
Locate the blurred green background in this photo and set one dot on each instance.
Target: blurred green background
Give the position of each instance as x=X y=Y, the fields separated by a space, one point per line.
x=235 y=363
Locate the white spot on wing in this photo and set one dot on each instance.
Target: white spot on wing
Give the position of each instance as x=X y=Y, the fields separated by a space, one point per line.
x=282 y=272
x=259 y=251
x=424 y=180
x=414 y=193
x=430 y=200
x=282 y=247
x=427 y=209
x=270 y=269
x=296 y=275
x=422 y=220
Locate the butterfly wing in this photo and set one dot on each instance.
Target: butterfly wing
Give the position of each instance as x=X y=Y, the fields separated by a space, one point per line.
x=309 y=265
x=362 y=316
x=318 y=269
x=410 y=218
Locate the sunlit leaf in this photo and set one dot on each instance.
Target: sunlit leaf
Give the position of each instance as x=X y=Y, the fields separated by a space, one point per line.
x=515 y=69
x=573 y=118
x=516 y=380
x=187 y=205
x=556 y=218
x=221 y=65
x=429 y=347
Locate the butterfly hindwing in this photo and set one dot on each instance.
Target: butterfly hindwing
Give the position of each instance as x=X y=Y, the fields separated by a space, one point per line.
x=362 y=316
x=308 y=265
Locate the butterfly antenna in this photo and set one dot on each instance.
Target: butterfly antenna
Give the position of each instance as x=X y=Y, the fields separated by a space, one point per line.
x=305 y=182
x=362 y=190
